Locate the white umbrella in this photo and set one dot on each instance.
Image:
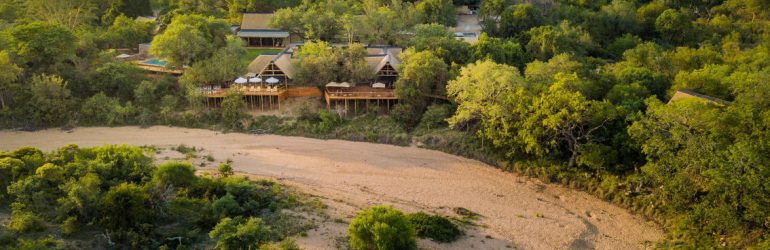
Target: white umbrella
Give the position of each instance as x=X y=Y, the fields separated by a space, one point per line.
x=272 y=80
x=332 y=84
x=378 y=85
x=345 y=85
x=255 y=80
x=241 y=80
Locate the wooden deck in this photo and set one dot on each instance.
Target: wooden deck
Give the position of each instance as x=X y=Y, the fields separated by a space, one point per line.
x=262 y=99
x=158 y=69
x=360 y=93
x=350 y=97
x=282 y=92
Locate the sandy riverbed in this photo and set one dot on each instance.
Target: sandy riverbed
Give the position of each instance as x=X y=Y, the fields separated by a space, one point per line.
x=516 y=212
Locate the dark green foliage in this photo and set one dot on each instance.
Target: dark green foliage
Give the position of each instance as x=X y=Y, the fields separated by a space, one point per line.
x=117 y=78
x=240 y=233
x=435 y=227
x=174 y=173
x=41 y=46
x=381 y=228
x=125 y=207
x=233 y=107
x=23 y=222
x=435 y=117
x=100 y=109
x=117 y=191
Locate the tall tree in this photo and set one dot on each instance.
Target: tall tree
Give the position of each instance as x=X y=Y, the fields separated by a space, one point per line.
x=219 y=68
x=41 y=46
x=50 y=103
x=190 y=38
x=9 y=73
x=437 y=11
x=318 y=64
x=547 y=41
x=68 y=13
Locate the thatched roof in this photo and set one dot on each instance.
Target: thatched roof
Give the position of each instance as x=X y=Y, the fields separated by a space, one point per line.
x=376 y=63
x=260 y=63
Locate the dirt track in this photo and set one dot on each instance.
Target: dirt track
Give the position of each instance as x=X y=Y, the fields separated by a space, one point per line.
x=515 y=211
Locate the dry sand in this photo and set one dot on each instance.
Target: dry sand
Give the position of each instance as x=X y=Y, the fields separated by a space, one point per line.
x=515 y=212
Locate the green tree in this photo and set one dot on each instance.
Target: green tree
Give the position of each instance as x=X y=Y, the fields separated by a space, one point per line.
x=355 y=66
x=381 y=227
x=68 y=13
x=288 y=19
x=547 y=41
x=517 y=19
x=124 y=206
x=563 y=117
x=129 y=8
x=176 y=174
x=240 y=233
x=482 y=91
x=674 y=26
x=101 y=109
x=318 y=64
x=613 y=20
x=437 y=11
x=540 y=74
x=50 y=103
x=118 y=78
x=41 y=46
x=710 y=80
x=421 y=73
x=126 y=32
x=688 y=59
x=506 y=52
x=233 y=109
x=9 y=73
x=190 y=38
x=219 y=68
x=437 y=39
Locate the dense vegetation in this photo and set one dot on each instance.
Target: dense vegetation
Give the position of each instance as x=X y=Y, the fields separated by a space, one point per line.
x=571 y=91
x=115 y=196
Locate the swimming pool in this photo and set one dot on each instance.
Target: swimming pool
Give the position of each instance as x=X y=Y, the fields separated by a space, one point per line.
x=155 y=62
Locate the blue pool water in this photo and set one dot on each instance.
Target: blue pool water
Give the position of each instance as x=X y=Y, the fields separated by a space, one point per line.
x=155 y=62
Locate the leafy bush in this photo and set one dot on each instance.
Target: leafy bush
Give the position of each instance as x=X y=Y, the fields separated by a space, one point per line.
x=240 y=233
x=23 y=222
x=435 y=117
x=117 y=189
x=381 y=228
x=436 y=227
x=174 y=173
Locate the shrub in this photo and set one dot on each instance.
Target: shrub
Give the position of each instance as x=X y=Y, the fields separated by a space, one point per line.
x=225 y=169
x=435 y=116
x=436 y=227
x=226 y=206
x=125 y=206
x=240 y=234
x=328 y=121
x=70 y=226
x=23 y=222
x=286 y=244
x=381 y=228
x=175 y=173
x=47 y=242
